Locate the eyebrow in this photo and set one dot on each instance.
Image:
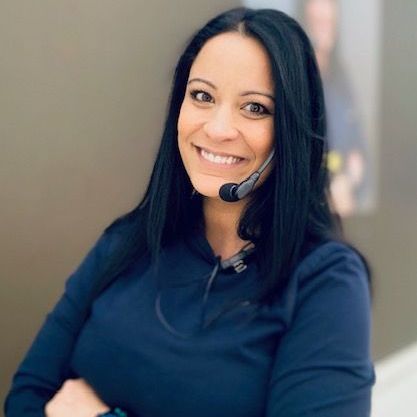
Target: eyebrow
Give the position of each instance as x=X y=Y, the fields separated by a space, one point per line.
x=245 y=93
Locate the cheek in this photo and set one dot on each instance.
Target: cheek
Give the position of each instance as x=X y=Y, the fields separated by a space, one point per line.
x=187 y=120
x=185 y=128
x=262 y=140
x=181 y=123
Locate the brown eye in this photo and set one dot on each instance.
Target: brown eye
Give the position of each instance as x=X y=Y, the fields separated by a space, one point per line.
x=200 y=95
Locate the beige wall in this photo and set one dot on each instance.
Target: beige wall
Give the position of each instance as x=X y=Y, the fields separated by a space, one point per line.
x=83 y=92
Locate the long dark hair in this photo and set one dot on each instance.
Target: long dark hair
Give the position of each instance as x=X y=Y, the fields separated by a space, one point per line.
x=291 y=207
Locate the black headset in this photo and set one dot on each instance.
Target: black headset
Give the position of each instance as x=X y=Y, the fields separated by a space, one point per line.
x=231 y=191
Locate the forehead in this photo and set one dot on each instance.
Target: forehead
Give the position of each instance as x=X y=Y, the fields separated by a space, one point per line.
x=234 y=58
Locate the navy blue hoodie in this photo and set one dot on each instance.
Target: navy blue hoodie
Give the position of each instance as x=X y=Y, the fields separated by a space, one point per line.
x=146 y=346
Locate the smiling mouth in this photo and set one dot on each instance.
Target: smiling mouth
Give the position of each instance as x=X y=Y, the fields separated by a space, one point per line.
x=218 y=159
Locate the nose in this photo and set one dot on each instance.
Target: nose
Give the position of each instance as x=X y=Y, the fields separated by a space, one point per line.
x=220 y=125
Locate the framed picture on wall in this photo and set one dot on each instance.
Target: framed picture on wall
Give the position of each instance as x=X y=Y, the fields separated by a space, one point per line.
x=345 y=37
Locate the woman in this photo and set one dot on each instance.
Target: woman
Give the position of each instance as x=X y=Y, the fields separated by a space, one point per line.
x=243 y=303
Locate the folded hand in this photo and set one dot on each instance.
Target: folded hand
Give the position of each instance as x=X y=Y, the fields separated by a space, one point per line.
x=75 y=398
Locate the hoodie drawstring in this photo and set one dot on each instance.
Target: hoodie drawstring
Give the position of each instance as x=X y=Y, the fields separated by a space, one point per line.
x=209 y=284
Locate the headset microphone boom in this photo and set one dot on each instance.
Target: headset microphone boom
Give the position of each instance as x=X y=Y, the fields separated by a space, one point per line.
x=231 y=191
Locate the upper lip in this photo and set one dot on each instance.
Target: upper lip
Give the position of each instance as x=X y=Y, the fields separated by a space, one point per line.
x=219 y=153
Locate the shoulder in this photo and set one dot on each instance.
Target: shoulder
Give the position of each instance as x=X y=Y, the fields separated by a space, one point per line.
x=104 y=247
x=118 y=234
x=332 y=272
x=331 y=256
x=106 y=244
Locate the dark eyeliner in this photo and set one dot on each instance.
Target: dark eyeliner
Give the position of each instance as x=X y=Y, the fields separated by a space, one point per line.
x=265 y=111
x=193 y=94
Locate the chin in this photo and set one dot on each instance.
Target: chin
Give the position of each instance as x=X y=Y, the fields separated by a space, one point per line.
x=208 y=192
x=209 y=189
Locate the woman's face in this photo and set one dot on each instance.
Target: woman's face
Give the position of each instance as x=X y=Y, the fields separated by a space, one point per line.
x=225 y=126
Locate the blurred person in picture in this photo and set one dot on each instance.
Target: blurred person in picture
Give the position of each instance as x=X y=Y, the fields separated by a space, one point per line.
x=348 y=158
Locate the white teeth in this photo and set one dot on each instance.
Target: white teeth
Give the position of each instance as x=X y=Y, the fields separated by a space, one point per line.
x=219 y=159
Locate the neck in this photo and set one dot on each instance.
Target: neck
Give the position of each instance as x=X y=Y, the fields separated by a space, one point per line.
x=221 y=221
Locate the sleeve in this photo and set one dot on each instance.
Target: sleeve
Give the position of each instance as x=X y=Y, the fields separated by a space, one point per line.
x=322 y=365
x=45 y=366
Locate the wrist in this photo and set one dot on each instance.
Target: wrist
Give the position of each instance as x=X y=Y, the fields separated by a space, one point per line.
x=114 y=412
